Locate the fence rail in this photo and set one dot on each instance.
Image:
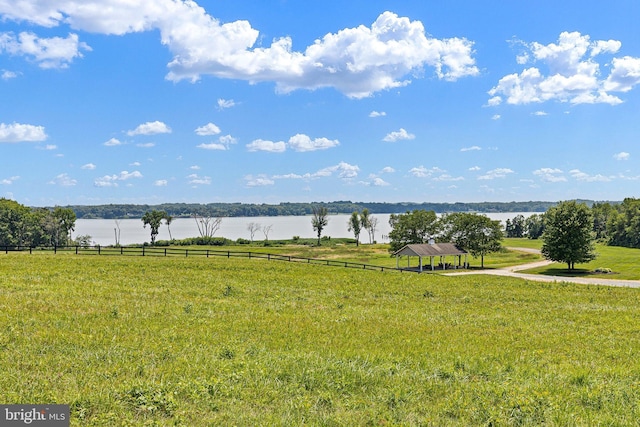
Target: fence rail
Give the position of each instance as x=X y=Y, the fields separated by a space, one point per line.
x=175 y=252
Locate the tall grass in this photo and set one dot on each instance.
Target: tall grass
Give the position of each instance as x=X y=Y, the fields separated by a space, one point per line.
x=195 y=341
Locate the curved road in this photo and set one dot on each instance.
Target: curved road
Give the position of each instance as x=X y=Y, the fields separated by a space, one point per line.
x=513 y=271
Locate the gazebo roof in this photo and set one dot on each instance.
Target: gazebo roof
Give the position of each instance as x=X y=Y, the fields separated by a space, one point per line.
x=426 y=249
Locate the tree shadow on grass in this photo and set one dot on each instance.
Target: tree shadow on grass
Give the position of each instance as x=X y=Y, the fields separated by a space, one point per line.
x=563 y=272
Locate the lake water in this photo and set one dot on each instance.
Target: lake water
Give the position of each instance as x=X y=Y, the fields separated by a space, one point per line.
x=102 y=231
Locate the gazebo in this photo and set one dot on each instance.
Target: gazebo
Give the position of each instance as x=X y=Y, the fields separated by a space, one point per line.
x=432 y=250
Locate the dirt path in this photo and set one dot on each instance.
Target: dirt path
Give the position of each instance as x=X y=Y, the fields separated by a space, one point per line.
x=513 y=271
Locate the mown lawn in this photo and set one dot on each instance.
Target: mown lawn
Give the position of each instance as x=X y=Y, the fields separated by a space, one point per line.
x=195 y=341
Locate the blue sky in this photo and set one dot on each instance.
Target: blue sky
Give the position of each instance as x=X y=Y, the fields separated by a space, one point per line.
x=289 y=100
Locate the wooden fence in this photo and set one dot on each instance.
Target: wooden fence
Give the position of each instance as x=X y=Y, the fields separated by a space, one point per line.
x=175 y=252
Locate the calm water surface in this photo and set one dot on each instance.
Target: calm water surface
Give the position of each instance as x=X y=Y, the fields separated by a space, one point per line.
x=103 y=231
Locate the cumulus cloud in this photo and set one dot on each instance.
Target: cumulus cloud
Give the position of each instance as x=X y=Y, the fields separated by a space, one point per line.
x=356 y=61
x=195 y=179
x=224 y=143
x=422 y=172
x=208 y=129
x=269 y=146
x=9 y=181
x=377 y=114
x=550 y=175
x=472 y=148
x=301 y=142
x=113 y=180
x=623 y=155
x=582 y=176
x=400 y=135
x=161 y=183
x=88 y=166
x=258 y=181
x=113 y=142
x=387 y=169
x=496 y=173
x=64 y=180
x=572 y=73
x=18 y=132
x=55 y=52
x=344 y=170
x=150 y=128
x=8 y=75
x=225 y=103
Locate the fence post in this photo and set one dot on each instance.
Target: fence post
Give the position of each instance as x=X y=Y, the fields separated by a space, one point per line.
x=165 y=251
x=76 y=249
x=98 y=249
x=186 y=253
x=121 y=250
x=207 y=253
x=55 y=249
x=30 y=250
x=142 y=250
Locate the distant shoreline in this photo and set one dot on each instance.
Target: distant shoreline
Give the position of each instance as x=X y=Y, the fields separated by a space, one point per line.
x=187 y=210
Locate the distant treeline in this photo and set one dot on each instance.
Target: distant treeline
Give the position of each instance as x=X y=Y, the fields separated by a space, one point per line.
x=185 y=210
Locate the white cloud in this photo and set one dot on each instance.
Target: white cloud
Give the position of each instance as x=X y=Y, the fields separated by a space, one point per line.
x=302 y=143
x=8 y=75
x=146 y=145
x=474 y=168
x=64 y=180
x=447 y=177
x=400 y=135
x=226 y=103
x=472 y=148
x=540 y=113
x=377 y=114
x=550 y=175
x=496 y=173
x=194 y=179
x=55 y=52
x=9 y=181
x=623 y=155
x=113 y=142
x=223 y=144
x=208 y=129
x=387 y=169
x=88 y=166
x=573 y=73
x=150 y=128
x=269 y=146
x=582 y=176
x=422 y=172
x=194 y=167
x=356 y=61
x=258 y=181
x=112 y=180
x=345 y=171
x=161 y=183
x=18 y=132
x=496 y=117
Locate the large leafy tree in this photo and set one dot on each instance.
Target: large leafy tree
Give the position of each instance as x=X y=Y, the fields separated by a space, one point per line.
x=417 y=226
x=319 y=220
x=153 y=219
x=568 y=235
x=477 y=234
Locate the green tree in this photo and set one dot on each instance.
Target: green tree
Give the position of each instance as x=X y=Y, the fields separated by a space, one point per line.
x=355 y=225
x=568 y=235
x=168 y=219
x=153 y=219
x=534 y=226
x=515 y=227
x=417 y=226
x=477 y=234
x=65 y=220
x=319 y=220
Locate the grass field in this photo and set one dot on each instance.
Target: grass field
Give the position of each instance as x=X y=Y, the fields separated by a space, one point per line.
x=193 y=341
x=623 y=262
